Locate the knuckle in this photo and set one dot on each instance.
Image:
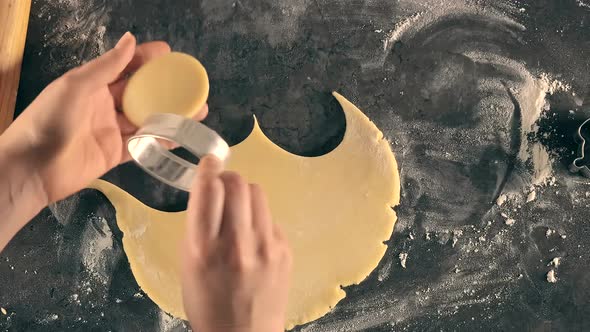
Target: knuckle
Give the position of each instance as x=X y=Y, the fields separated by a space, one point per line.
x=241 y=263
x=272 y=253
x=234 y=181
x=266 y=254
x=195 y=257
x=238 y=260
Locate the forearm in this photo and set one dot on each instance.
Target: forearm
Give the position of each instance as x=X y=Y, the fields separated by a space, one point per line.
x=21 y=190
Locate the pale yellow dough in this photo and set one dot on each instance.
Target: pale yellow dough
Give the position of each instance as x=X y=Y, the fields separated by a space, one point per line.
x=173 y=83
x=335 y=209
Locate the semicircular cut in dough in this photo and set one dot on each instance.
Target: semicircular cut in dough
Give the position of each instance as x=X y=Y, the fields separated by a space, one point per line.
x=336 y=211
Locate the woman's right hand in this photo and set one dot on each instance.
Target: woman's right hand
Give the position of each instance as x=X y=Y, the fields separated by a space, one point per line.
x=236 y=261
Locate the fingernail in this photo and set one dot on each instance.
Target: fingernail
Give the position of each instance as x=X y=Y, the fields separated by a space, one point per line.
x=124 y=40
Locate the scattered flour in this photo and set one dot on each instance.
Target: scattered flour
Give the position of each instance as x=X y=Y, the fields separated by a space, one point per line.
x=536 y=152
x=384 y=271
x=428 y=12
x=64 y=210
x=81 y=32
x=456 y=235
x=542 y=164
x=531 y=196
x=279 y=21
x=96 y=247
x=399 y=29
x=552 y=276
x=403 y=257
x=555 y=262
x=554 y=85
x=501 y=199
x=168 y=323
x=531 y=95
x=48 y=319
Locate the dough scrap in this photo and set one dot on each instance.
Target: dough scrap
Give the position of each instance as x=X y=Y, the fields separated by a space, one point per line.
x=336 y=211
x=173 y=83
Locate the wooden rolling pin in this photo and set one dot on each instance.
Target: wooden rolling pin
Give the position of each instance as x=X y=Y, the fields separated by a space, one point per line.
x=14 y=19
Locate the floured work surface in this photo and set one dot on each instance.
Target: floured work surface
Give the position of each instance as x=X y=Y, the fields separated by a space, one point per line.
x=456 y=88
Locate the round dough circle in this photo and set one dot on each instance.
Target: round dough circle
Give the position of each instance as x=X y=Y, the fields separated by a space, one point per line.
x=173 y=83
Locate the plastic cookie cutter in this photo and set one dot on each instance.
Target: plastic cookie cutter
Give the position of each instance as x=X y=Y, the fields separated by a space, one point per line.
x=582 y=162
x=162 y=164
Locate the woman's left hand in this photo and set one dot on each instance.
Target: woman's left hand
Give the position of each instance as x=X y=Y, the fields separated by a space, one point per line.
x=73 y=133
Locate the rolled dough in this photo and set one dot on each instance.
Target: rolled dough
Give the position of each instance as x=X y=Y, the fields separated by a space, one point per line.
x=173 y=83
x=335 y=209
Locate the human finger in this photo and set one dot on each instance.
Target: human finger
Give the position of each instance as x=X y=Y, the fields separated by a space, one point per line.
x=143 y=54
x=202 y=114
x=237 y=214
x=106 y=68
x=261 y=216
x=209 y=166
x=127 y=128
x=205 y=206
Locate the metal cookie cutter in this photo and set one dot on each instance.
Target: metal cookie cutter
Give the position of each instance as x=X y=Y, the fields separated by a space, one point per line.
x=162 y=164
x=582 y=163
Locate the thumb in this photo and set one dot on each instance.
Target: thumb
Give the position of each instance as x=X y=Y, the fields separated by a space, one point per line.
x=107 y=68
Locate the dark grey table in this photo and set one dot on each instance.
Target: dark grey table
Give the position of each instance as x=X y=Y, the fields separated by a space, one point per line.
x=279 y=59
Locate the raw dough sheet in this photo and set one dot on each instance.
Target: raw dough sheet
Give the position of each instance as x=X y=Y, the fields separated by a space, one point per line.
x=335 y=209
